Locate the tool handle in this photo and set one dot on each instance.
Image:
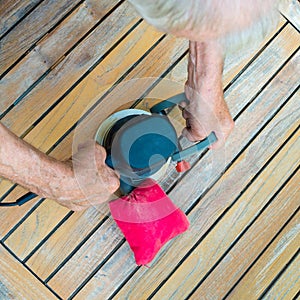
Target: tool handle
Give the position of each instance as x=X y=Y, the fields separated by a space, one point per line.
x=169 y=103
x=182 y=154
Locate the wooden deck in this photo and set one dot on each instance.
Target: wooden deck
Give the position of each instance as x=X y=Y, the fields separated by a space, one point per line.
x=66 y=62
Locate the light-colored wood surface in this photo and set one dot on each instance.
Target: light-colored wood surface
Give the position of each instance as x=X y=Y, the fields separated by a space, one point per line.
x=31 y=29
x=252 y=242
x=99 y=57
x=287 y=285
x=280 y=253
x=17 y=282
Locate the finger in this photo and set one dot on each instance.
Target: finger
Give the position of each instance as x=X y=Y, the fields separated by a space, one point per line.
x=100 y=154
x=198 y=55
x=192 y=50
x=182 y=105
x=191 y=135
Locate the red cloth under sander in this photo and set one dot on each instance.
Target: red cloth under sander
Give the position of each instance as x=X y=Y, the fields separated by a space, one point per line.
x=148 y=219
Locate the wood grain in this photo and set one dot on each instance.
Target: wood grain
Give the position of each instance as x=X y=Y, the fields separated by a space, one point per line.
x=215 y=243
x=16 y=282
x=68 y=113
x=65 y=239
x=31 y=230
x=270 y=264
x=65 y=74
x=11 y=13
x=51 y=49
x=252 y=242
x=292 y=12
x=31 y=29
x=12 y=216
x=212 y=206
x=58 y=256
x=287 y=286
x=94 y=251
x=288 y=75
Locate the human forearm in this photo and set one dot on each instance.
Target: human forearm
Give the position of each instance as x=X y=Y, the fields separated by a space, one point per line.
x=207 y=110
x=29 y=167
x=92 y=182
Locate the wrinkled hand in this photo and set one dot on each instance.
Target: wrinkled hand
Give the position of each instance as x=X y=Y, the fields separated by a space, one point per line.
x=87 y=179
x=207 y=110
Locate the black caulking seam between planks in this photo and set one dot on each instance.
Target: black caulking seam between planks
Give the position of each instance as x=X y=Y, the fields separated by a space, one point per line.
x=29 y=270
x=8 y=192
x=296 y=297
x=75 y=250
x=128 y=278
x=267 y=83
x=23 y=219
x=253 y=59
x=58 y=225
x=71 y=129
x=237 y=239
x=159 y=79
x=43 y=76
x=260 y=255
x=290 y=22
x=40 y=38
x=220 y=217
x=95 y=271
x=20 y=20
x=77 y=82
x=255 y=260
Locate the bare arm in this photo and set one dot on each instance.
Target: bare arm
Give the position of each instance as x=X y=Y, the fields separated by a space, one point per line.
x=207 y=110
x=50 y=178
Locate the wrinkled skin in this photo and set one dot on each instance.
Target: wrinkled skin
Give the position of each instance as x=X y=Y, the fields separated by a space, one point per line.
x=207 y=111
x=87 y=180
x=76 y=184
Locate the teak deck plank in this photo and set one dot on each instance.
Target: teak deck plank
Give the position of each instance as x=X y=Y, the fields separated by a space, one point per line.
x=22 y=37
x=235 y=196
x=11 y=13
x=287 y=286
x=279 y=254
x=292 y=13
x=246 y=208
x=231 y=226
x=211 y=207
x=33 y=141
x=18 y=282
x=64 y=75
x=48 y=51
x=264 y=229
